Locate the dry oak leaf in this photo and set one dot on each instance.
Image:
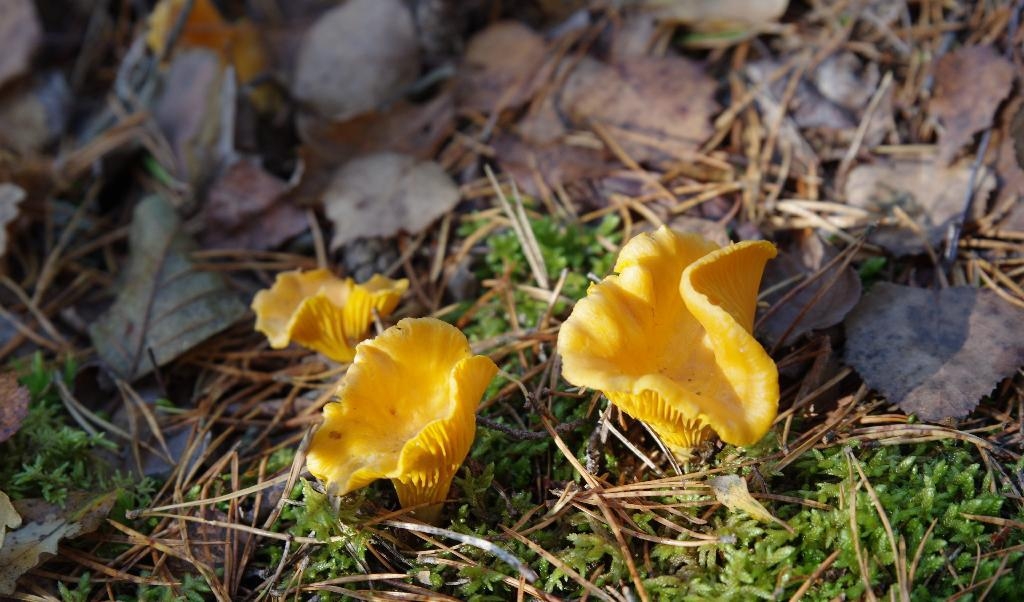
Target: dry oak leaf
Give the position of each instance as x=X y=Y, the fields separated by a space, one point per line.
x=934 y=353
x=929 y=194
x=165 y=306
x=654 y=107
x=386 y=193
x=20 y=34
x=14 y=400
x=970 y=84
x=493 y=76
x=357 y=57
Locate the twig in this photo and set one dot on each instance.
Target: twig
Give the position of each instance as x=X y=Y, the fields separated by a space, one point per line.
x=956 y=228
x=477 y=542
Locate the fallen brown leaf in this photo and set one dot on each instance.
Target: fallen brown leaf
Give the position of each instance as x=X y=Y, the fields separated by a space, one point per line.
x=934 y=353
x=32 y=117
x=20 y=34
x=929 y=194
x=654 y=107
x=386 y=193
x=357 y=57
x=13 y=407
x=493 y=76
x=246 y=209
x=814 y=306
x=555 y=164
x=403 y=127
x=165 y=306
x=970 y=83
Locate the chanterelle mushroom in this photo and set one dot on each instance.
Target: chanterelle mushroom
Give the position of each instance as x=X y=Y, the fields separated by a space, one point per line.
x=406 y=412
x=320 y=311
x=668 y=339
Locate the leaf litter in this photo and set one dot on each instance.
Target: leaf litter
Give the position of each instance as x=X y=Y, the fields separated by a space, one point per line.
x=166 y=306
x=934 y=353
x=359 y=143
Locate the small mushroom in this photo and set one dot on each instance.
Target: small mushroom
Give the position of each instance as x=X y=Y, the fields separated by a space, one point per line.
x=406 y=412
x=668 y=339
x=320 y=311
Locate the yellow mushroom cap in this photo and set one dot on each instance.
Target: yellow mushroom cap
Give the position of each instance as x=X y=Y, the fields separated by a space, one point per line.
x=406 y=412
x=320 y=311
x=668 y=339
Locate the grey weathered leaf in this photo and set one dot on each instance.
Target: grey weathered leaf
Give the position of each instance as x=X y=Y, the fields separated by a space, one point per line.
x=650 y=105
x=356 y=57
x=166 y=305
x=929 y=196
x=934 y=353
x=385 y=193
x=20 y=34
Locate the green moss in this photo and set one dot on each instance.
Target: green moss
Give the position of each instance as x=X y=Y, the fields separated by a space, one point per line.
x=49 y=456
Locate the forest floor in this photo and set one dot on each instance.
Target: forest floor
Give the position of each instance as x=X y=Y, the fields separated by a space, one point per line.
x=160 y=165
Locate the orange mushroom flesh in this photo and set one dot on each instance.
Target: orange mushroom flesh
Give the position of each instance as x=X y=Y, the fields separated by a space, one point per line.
x=406 y=411
x=323 y=312
x=668 y=339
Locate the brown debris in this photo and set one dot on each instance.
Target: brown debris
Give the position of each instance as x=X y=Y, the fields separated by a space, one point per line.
x=970 y=83
x=655 y=107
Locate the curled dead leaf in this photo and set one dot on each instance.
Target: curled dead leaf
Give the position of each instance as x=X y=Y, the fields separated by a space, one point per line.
x=970 y=84
x=731 y=491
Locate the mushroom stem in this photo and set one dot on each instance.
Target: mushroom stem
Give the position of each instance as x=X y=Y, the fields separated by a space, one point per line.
x=431 y=494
